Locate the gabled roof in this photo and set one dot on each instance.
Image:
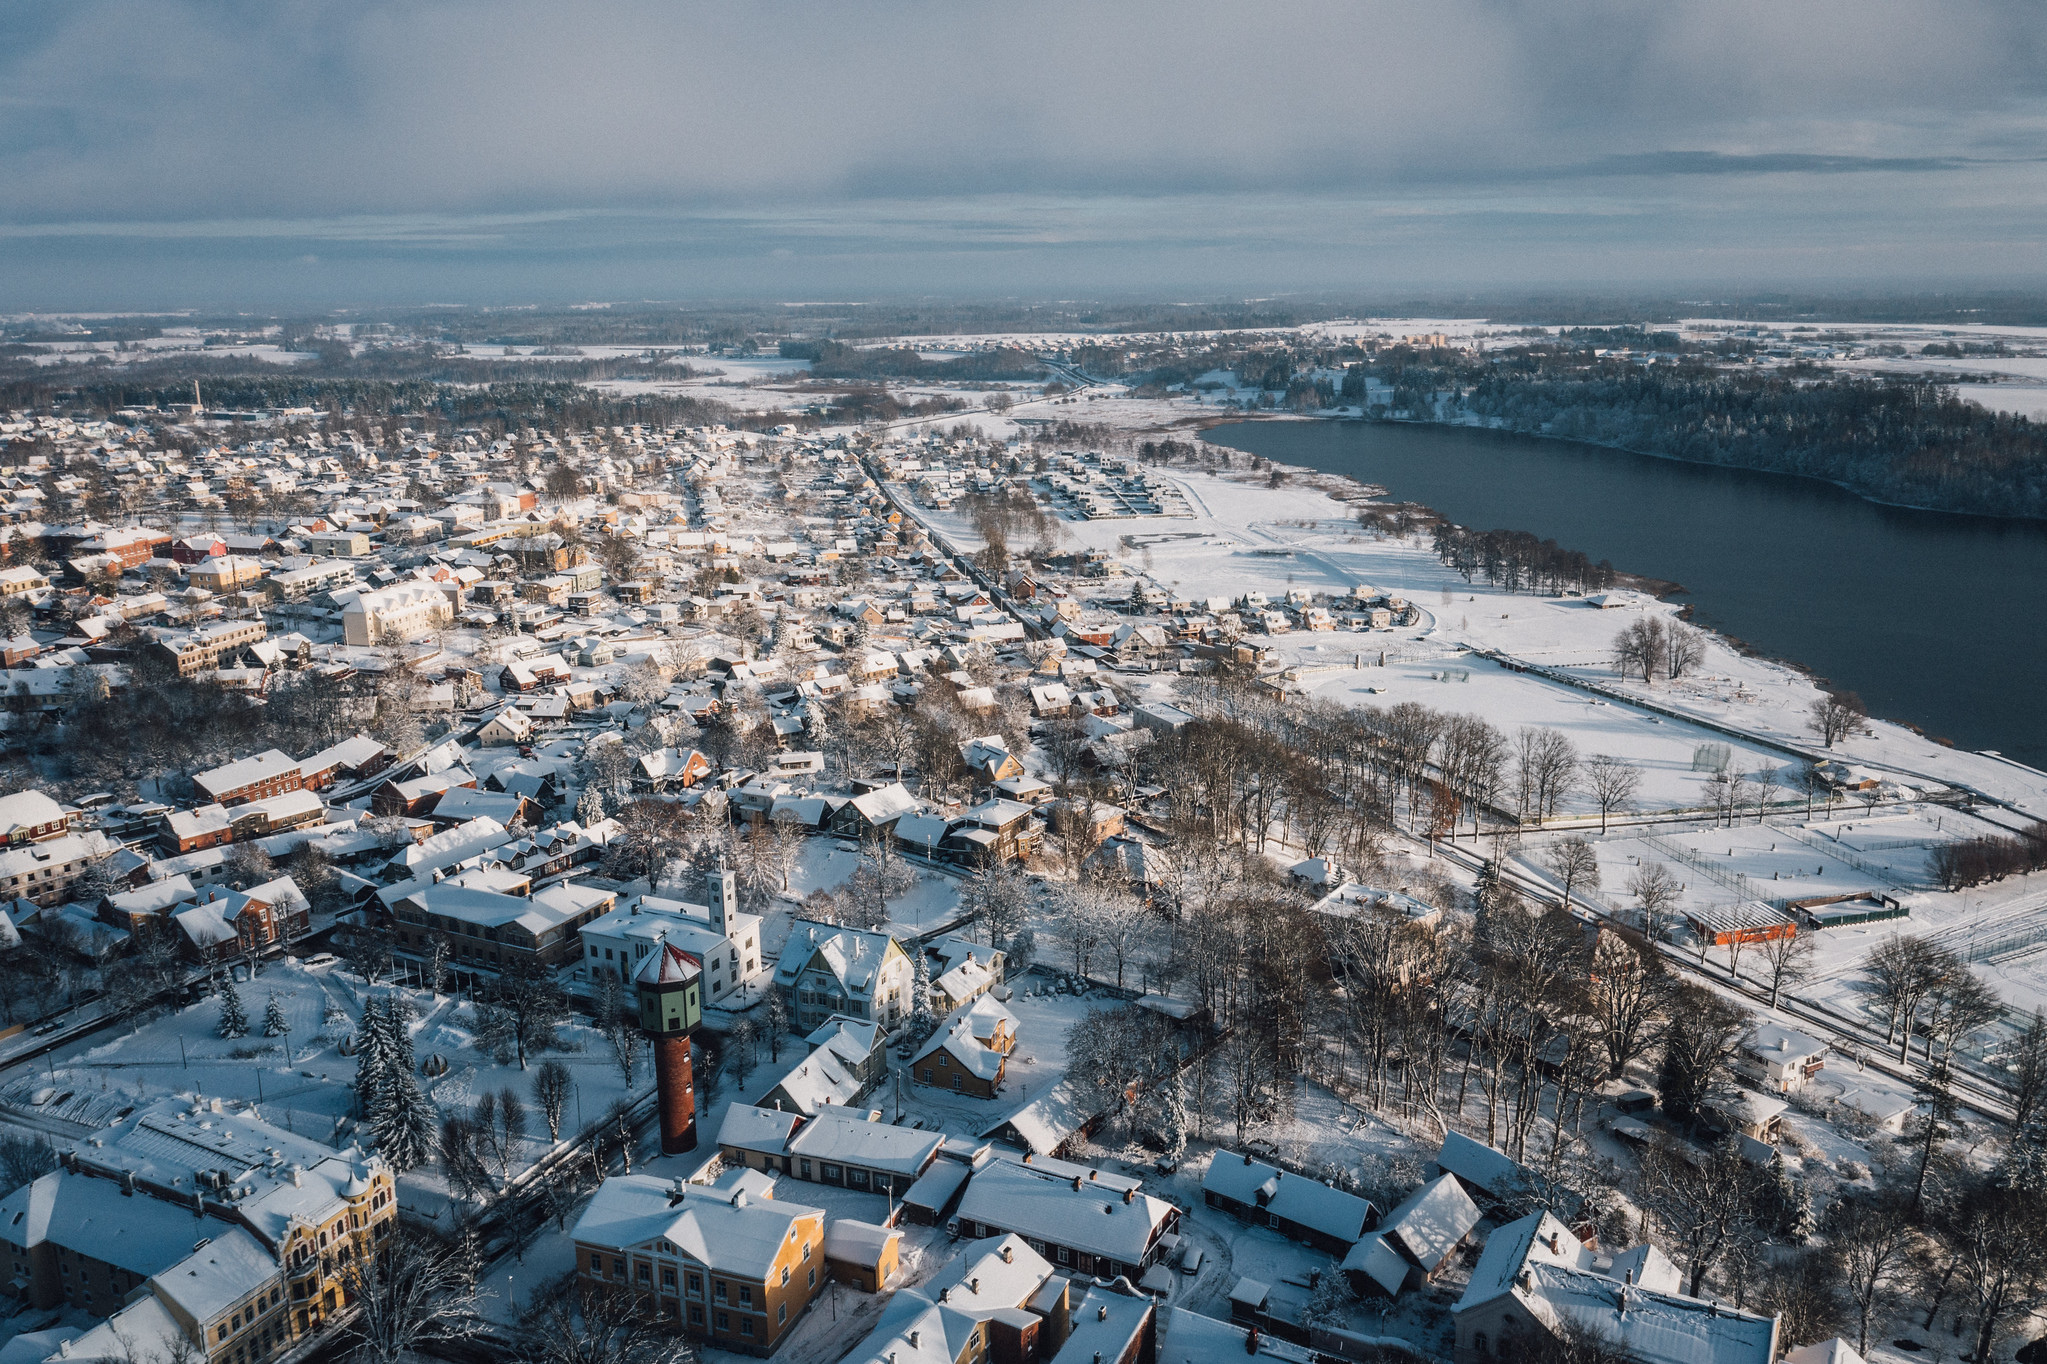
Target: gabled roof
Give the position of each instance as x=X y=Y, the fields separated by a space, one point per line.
x=1428 y=1223
x=1293 y=1198
x=133 y=1232
x=1036 y=1204
x=725 y=1230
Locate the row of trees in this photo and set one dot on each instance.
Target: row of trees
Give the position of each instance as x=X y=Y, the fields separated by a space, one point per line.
x=1975 y=861
x=1520 y=562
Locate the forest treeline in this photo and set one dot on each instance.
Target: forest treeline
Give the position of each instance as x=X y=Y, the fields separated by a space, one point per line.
x=1895 y=440
x=835 y=360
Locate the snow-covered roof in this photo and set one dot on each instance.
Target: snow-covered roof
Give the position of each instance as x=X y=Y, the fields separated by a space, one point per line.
x=956 y=1039
x=139 y=1234
x=1044 y=1123
x=217 y=1275
x=1293 y=1198
x=670 y=965
x=852 y=955
x=1657 y=1328
x=816 y=1081
x=1835 y=1351
x=857 y=1242
x=728 y=1232
x=233 y=776
x=853 y=1137
x=145 y=1329
x=27 y=810
x=1480 y=1165
x=1536 y=1237
x=1428 y=1223
x=764 y=1130
x=1036 y=1203
x=1379 y=1262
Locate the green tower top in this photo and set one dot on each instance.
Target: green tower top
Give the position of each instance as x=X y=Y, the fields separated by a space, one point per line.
x=669 y=984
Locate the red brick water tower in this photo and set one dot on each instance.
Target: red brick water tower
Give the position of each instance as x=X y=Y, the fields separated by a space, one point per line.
x=671 y=1006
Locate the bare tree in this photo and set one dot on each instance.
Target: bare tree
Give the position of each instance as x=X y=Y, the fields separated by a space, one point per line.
x=551 y=1085
x=1629 y=987
x=1545 y=770
x=1640 y=648
x=525 y=1008
x=1902 y=972
x=1684 y=650
x=1871 y=1240
x=1786 y=961
x=577 y=1324
x=2000 y=1257
x=1572 y=861
x=2028 y=1065
x=410 y=1296
x=1613 y=784
x=1839 y=715
x=1709 y=1205
x=1656 y=889
x=500 y=1119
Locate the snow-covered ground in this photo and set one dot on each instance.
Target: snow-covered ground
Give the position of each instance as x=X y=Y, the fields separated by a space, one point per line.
x=301 y=1081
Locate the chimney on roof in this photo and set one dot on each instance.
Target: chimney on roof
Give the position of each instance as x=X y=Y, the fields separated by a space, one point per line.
x=1008 y=1255
x=974 y=1284
x=1102 y=1314
x=1130 y=1195
x=1552 y=1243
x=1247 y=1157
x=1076 y=1183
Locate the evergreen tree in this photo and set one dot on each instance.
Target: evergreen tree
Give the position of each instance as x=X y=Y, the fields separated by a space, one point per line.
x=234 y=1022
x=372 y=1060
x=275 y=1024
x=405 y=1124
x=590 y=807
x=922 y=1021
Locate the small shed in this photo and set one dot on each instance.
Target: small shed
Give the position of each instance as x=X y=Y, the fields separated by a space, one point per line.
x=863 y=1254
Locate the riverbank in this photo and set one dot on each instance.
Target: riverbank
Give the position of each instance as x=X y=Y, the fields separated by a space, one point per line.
x=1914 y=610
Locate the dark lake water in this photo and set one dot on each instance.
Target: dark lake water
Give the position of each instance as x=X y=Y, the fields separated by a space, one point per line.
x=1934 y=618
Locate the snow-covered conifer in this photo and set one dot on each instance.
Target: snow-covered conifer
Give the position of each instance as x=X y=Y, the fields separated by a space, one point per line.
x=234 y=1021
x=405 y=1124
x=275 y=1024
x=372 y=1059
x=923 y=1022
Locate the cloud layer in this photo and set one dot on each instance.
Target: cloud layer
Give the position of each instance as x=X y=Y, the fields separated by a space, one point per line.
x=536 y=150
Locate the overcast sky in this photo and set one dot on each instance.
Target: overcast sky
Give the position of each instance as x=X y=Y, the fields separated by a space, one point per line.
x=281 y=154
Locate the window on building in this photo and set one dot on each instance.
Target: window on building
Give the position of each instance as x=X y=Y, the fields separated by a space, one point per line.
x=781 y=1313
x=696 y=1285
x=785 y=1274
x=667 y=1278
x=718 y=1289
x=1478 y=1342
x=643 y=1273
x=724 y=1322
x=746 y=1326
x=696 y=1315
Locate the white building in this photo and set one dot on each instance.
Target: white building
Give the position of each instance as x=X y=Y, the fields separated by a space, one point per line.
x=718 y=933
x=833 y=970
x=399 y=612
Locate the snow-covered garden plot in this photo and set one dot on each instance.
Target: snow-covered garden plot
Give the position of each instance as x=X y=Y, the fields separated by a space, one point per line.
x=301 y=1080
